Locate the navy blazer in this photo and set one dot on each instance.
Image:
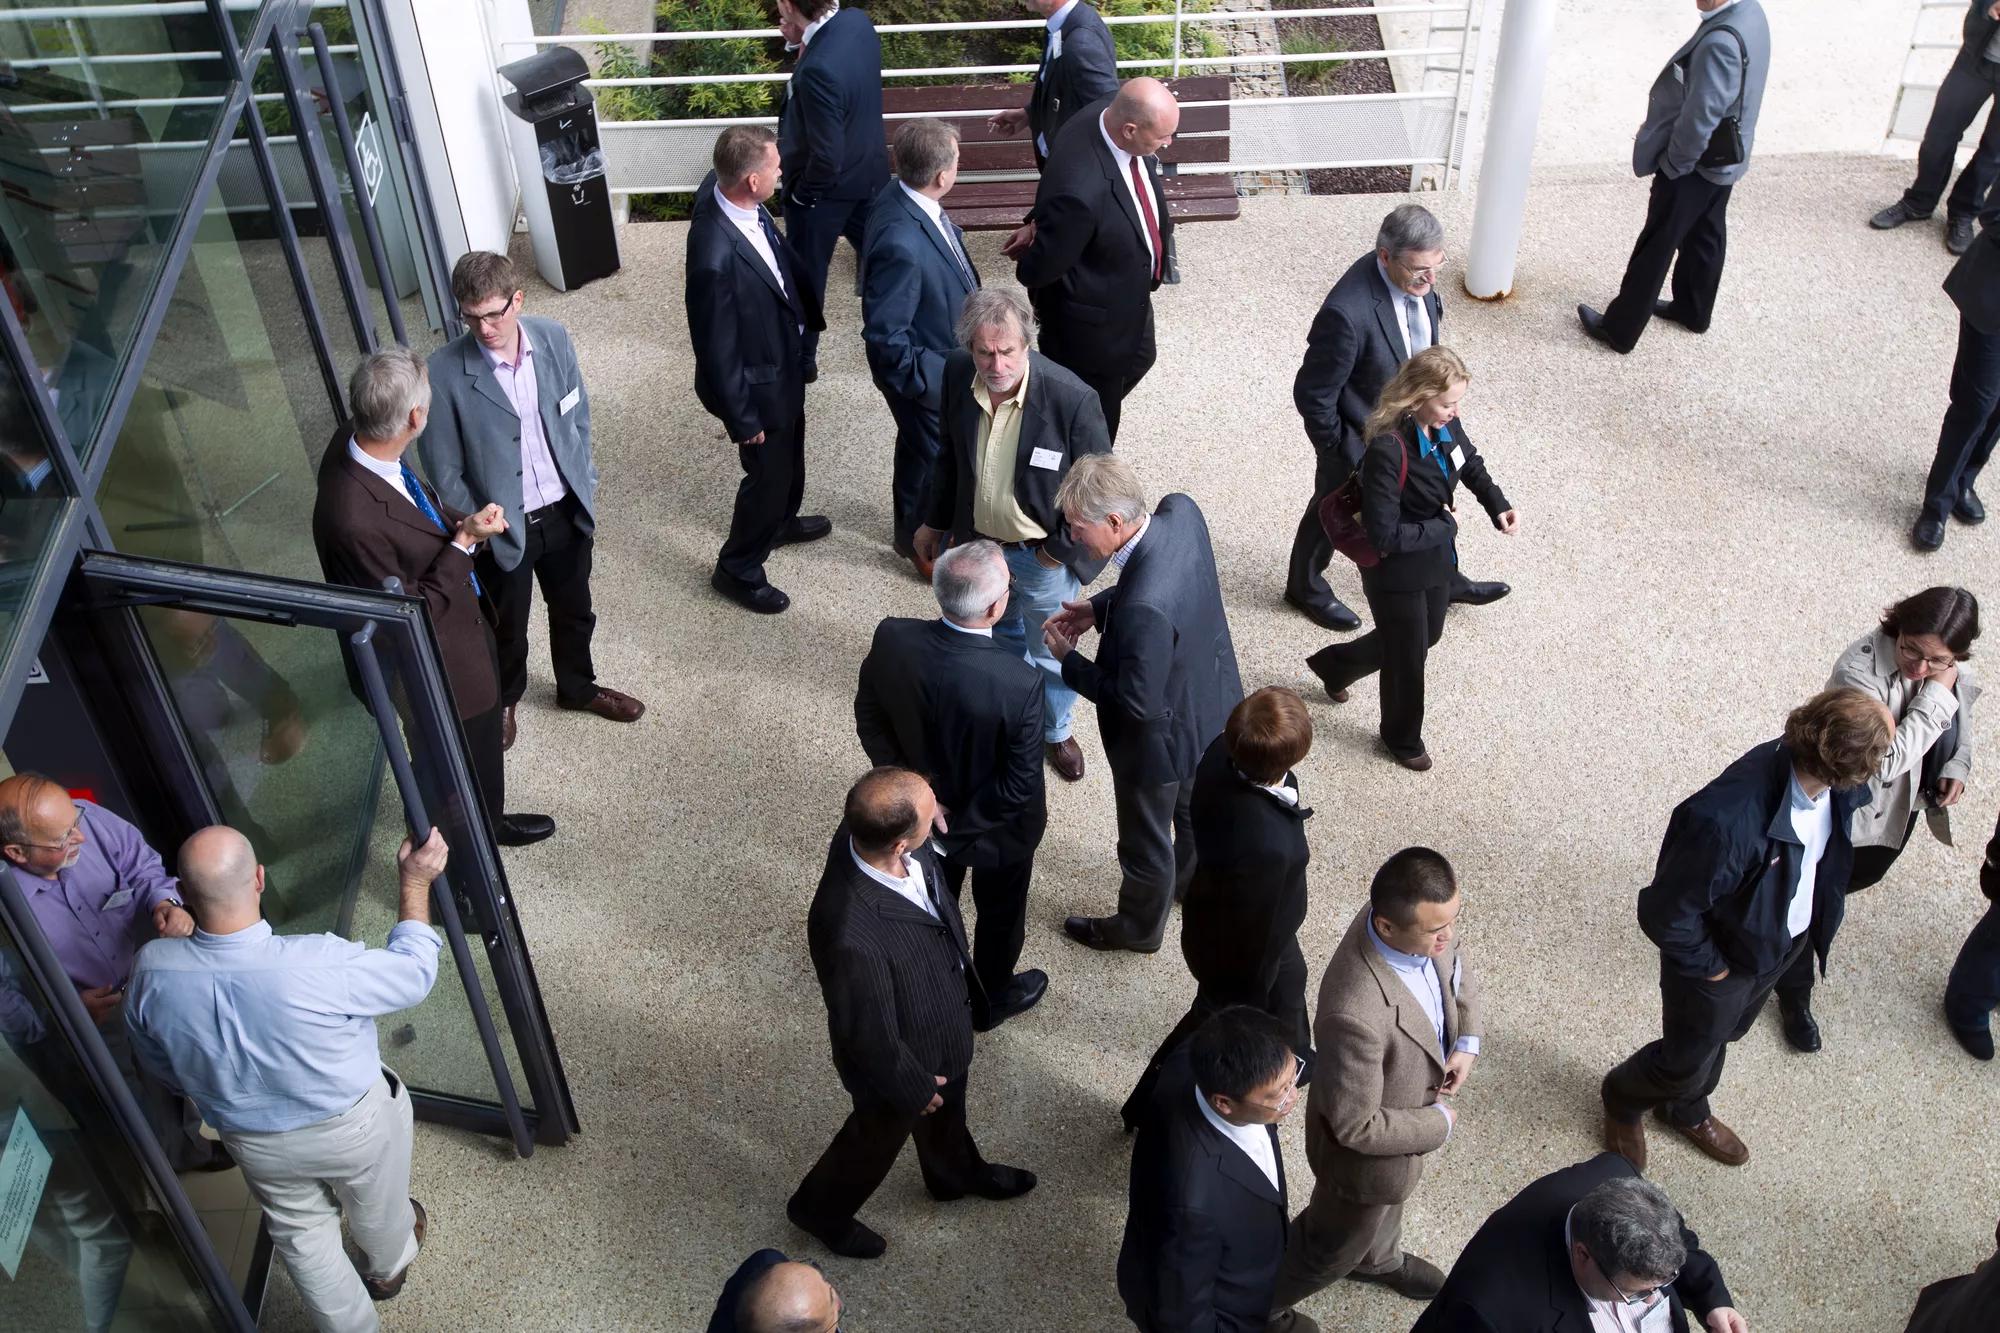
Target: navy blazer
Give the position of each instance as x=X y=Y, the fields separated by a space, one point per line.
x=1974 y=282
x=748 y=369
x=830 y=141
x=1355 y=347
x=911 y=289
x=1083 y=71
x=1165 y=676
x=1723 y=883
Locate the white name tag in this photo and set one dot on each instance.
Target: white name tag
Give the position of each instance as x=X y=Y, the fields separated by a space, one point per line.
x=117 y=900
x=570 y=400
x=1048 y=458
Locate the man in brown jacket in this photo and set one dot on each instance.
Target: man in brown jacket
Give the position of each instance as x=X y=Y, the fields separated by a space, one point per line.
x=1397 y=1030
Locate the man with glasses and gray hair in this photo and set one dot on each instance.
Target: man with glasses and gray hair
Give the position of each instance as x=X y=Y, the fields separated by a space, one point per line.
x=1014 y=424
x=1592 y=1248
x=1164 y=682
x=1384 y=310
x=943 y=698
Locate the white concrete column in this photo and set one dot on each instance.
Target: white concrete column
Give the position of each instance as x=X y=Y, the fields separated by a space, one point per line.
x=1520 y=70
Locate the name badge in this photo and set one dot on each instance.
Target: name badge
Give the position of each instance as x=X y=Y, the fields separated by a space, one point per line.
x=570 y=400
x=1048 y=458
x=117 y=900
x=1657 y=1319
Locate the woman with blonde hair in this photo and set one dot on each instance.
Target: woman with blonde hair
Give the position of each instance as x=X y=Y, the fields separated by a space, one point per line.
x=1417 y=455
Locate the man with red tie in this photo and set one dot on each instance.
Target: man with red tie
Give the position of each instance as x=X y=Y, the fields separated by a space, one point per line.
x=1097 y=241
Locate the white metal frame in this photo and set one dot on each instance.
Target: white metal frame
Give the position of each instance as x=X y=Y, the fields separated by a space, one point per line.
x=1917 y=82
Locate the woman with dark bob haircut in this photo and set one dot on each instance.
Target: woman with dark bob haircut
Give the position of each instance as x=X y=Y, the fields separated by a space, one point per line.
x=1914 y=662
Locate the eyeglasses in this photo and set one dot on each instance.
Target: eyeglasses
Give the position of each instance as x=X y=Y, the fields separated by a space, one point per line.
x=488 y=316
x=1428 y=274
x=1643 y=1296
x=1290 y=1097
x=71 y=836
x=1912 y=656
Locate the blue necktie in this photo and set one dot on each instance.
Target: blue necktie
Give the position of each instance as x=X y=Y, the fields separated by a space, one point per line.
x=423 y=503
x=771 y=237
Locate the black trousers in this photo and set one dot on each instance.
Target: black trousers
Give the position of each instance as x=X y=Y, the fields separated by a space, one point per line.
x=1000 y=898
x=1080 y=350
x=1698 y=1020
x=1973 y=991
x=919 y=436
x=1870 y=865
x=1155 y=853
x=488 y=760
x=1686 y=230
x=1959 y=99
x=1965 y=440
x=859 y=1158
x=768 y=497
x=1285 y=1001
x=1407 y=626
x=557 y=556
x=814 y=230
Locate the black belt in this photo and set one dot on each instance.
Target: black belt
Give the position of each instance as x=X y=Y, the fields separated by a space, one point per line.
x=547 y=510
x=1009 y=546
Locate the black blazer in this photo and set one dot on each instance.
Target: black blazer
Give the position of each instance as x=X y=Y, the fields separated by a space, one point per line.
x=895 y=981
x=1061 y=415
x=1089 y=273
x=911 y=289
x=1354 y=348
x=1514 y=1275
x=1085 y=71
x=1974 y=282
x=1723 y=883
x=1165 y=675
x=1248 y=895
x=744 y=326
x=967 y=714
x=1408 y=521
x=1204 y=1230
x=830 y=140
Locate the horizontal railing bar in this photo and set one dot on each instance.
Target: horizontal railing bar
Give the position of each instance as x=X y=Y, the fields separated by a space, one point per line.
x=1204 y=169
x=135 y=104
x=925 y=72
x=159 y=9
x=164 y=57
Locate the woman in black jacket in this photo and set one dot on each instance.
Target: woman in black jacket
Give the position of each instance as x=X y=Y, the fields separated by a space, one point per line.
x=1417 y=455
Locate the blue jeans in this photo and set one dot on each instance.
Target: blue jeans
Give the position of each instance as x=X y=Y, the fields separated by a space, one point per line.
x=1039 y=593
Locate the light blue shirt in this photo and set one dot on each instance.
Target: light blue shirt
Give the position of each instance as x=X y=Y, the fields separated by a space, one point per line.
x=1124 y=553
x=268 y=1032
x=1419 y=976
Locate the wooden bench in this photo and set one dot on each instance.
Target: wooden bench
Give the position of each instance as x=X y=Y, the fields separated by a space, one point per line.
x=980 y=202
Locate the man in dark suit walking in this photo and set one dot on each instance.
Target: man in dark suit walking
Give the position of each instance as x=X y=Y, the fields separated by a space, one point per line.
x=374 y=519
x=834 y=157
x=1095 y=244
x=1589 y=1246
x=889 y=950
x=1014 y=422
x=1717 y=76
x=942 y=698
x=1079 y=66
x=1164 y=682
x=748 y=306
x=1205 y=1229
x=1965 y=440
x=915 y=276
x=1385 y=309
x=1752 y=873
x=510 y=423
x=1972 y=81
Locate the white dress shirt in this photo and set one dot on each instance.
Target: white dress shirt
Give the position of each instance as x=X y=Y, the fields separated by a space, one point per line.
x=1287 y=795
x=1413 y=314
x=393 y=474
x=1124 y=161
x=805 y=38
x=541 y=481
x=1812 y=820
x=984 y=632
x=910 y=888
x=1254 y=1140
x=1124 y=553
x=751 y=224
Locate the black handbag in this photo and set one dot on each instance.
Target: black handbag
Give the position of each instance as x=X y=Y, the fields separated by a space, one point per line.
x=1725 y=146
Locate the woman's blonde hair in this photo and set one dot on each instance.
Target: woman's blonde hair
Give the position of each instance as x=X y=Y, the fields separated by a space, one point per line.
x=1424 y=376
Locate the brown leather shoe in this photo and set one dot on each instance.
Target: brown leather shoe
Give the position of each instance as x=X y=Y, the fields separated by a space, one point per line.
x=507 y=728
x=1418 y=1279
x=1627 y=1140
x=385 y=1288
x=1416 y=763
x=607 y=703
x=1066 y=758
x=1716 y=1139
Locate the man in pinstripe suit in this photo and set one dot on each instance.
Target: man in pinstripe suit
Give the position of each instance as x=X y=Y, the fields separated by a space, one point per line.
x=890 y=951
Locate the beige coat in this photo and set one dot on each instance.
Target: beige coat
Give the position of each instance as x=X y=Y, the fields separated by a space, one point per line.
x=1923 y=712
x=1369 y=1120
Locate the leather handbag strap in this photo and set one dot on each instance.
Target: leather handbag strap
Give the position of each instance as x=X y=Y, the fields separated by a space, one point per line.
x=1743 y=55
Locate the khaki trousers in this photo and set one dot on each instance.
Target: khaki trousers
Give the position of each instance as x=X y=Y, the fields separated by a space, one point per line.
x=1332 y=1238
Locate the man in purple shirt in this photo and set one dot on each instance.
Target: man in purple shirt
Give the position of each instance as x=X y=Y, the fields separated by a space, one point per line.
x=99 y=892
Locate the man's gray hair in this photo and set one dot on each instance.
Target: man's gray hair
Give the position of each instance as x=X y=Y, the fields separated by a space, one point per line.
x=387 y=386
x=923 y=149
x=996 y=305
x=1631 y=1228
x=1100 y=485
x=1409 y=227
x=967 y=579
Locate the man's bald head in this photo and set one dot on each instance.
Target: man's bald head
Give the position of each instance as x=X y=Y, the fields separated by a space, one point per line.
x=789 y=1298
x=218 y=870
x=889 y=805
x=1143 y=116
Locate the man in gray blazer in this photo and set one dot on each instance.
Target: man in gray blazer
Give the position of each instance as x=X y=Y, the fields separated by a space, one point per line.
x=510 y=425
x=1716 y=76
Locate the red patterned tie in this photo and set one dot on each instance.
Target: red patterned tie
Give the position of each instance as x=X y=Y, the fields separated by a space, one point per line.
x=1146 y=209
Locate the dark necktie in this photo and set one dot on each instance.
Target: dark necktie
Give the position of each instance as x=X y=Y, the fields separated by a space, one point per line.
x=429 y=510
x=1146 y=207
x=771 y=239
x=957 y=249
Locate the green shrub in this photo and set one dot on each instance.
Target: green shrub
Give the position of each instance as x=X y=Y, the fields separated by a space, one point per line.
x=1302 y=74
x=615 y=61
x=737 y=55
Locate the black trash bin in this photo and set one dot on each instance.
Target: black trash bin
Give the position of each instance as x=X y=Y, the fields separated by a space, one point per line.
x=564 y=191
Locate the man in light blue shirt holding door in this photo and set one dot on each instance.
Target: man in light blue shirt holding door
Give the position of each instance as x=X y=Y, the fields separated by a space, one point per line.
x=273 y=1039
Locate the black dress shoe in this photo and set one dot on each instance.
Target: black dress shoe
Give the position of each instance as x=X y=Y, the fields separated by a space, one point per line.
x=1801 y=1032
x=854 y=1241
x=763 y=599
x=520 y=830
x=1336 y=693
x=1593 y=326
x=1103 y=933
x=1665 y=310
x=1968 y=509
x=1479 y=594
x=1895 y=215
x=804 y=528
x=1978 y=1042
x=1330 y=614
x=1023 y=993
x=1003 y=1182
x=1928 y=534
x=1958 y=235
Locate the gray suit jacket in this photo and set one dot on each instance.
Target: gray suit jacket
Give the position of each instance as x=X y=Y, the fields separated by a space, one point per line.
x=472 y=446
x=1698 y=88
